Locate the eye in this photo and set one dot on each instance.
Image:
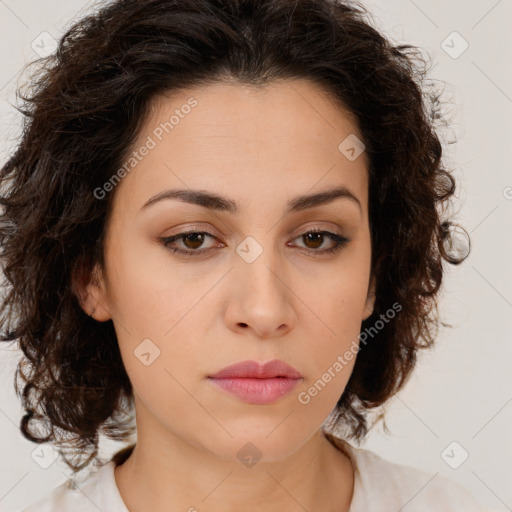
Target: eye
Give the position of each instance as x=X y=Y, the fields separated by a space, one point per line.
x=190 y=242
x=316 y=238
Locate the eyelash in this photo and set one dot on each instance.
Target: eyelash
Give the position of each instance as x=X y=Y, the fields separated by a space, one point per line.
x=340 y=242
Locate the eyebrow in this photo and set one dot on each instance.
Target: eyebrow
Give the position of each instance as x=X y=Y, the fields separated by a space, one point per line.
x=214 y=201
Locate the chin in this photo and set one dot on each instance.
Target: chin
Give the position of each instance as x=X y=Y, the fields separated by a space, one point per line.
x=257 y=446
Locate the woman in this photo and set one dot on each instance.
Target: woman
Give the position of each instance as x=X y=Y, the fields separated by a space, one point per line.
x=224 y=221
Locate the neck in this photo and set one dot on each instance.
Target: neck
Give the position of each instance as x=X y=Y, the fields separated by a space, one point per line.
x=156 y=475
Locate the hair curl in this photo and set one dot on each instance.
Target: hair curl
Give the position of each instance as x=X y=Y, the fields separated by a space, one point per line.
x=81 y=116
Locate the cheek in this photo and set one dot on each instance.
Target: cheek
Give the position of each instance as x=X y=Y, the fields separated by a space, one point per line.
x=338 y=298
x=158 y=311
x=146 y=295
x=334 y=328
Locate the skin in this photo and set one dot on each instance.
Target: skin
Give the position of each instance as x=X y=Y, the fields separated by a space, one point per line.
x=260 y=147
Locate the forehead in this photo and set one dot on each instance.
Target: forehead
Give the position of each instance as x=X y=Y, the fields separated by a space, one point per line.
x=286 y=138
x=243 y=111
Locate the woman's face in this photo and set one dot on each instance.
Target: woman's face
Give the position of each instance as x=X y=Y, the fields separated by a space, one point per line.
x=254 y=285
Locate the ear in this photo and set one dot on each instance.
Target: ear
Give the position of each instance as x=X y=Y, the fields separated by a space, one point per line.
x=370 y=299
x=91 y=292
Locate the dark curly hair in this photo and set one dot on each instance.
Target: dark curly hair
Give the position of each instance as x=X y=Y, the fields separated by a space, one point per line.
x=82 y=111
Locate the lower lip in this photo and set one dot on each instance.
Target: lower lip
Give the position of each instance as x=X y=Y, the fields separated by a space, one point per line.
x=257 y=391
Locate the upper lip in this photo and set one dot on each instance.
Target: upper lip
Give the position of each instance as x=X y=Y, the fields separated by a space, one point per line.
x=274 y=368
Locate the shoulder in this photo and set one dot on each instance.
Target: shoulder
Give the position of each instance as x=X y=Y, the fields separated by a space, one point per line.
x=387 y=486
x=409 y=487
x=97 y=492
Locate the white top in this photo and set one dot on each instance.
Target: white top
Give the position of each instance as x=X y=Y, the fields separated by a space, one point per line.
x=379 y=485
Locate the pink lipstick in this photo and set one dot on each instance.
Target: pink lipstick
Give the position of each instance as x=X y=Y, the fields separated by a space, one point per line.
x=256 y=383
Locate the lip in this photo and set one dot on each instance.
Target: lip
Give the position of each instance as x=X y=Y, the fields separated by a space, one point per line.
x=257 y=383
x=253 y=369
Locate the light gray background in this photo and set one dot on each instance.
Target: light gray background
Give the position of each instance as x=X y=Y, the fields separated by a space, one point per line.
x=461 y=390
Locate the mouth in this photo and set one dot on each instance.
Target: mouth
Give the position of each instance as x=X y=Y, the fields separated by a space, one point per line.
x=255 y=383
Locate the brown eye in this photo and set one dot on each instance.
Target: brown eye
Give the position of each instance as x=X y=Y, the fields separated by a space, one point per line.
x=189 y=243
x=193 y=240
x=314 y=239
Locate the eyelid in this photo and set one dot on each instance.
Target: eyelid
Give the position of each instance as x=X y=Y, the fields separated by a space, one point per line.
x=195 y=229
x=310 y=226
x=318 y=226
x=340 y=242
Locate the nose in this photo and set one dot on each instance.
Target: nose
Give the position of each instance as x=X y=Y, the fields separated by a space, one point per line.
x=261 y=298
